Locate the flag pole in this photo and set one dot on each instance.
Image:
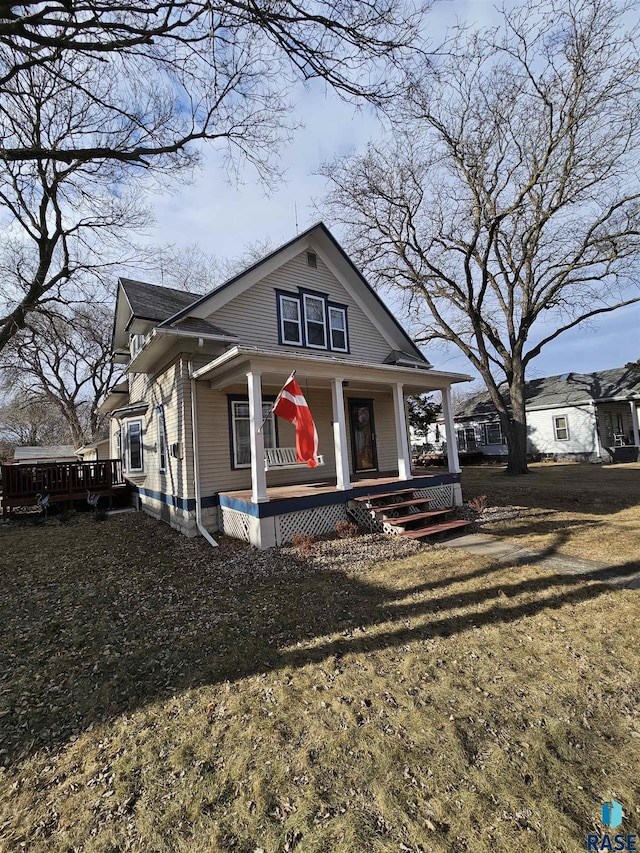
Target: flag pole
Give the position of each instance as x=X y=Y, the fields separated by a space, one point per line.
x=275 y=402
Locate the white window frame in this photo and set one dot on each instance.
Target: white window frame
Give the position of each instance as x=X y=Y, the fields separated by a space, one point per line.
x=307 y=297
x=130 y=468
x=557 y=428
x=266 y=413
x=488 y=443
x=283 y=297
x=334 y=309
x=162 y=441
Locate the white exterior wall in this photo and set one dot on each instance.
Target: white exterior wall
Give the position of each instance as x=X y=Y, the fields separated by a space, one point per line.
x=253 y=314
x=582 y=441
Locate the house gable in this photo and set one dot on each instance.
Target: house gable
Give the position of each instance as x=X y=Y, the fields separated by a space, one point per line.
x=314 y=273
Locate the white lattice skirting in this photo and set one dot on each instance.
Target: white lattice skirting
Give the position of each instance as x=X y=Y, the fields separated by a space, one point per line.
x=314 y=522
x=236 y=524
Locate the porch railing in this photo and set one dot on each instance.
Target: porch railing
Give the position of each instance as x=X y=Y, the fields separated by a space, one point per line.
x=21 y=483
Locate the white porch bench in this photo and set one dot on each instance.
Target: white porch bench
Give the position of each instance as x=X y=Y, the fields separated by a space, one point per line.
x=277 y=458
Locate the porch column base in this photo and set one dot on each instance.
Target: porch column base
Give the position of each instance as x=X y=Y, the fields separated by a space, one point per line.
x=262 y=533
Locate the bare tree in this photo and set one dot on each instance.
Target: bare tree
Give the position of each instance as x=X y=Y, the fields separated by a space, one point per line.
x=32 y=421
x=65 y=359
x=506 y=209
x=187 y=71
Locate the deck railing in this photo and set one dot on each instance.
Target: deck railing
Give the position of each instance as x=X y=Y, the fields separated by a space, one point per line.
x=21 y=483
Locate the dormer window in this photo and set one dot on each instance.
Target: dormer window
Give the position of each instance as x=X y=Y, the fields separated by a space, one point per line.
x=315 y=321
x=310 y=319
x=290 y=320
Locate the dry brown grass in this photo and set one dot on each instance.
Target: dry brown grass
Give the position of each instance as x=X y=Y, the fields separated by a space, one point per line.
x=159 y=695
x=590 y=511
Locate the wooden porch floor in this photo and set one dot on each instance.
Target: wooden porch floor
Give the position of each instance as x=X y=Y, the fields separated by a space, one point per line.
x=303 y=490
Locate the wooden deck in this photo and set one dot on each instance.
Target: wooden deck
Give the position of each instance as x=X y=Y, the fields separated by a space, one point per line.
x=61 y=481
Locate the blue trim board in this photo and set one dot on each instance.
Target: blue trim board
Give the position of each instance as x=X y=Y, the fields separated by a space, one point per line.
x=188 y=504
x=279 y=507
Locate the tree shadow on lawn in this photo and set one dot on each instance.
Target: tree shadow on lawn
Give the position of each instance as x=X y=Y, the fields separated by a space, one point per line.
x=587 y=488
x=96 y=646
x=532 y=526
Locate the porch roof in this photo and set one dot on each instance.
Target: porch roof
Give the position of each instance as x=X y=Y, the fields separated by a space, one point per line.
x=275 y=366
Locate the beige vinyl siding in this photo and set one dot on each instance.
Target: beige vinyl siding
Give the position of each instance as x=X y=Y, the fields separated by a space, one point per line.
x=171 y=390
x=216 y=473
x=253 y=315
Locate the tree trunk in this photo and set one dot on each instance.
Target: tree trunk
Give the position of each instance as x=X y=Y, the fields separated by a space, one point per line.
x=517 y=429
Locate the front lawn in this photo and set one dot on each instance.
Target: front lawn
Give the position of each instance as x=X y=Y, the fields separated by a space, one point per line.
x=590 y=511
x=160 y=695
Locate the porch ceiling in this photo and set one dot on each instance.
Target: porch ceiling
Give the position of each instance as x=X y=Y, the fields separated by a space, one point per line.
x=232 y=367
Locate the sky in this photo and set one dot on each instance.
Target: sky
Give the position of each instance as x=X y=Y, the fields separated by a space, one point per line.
x=224 y=217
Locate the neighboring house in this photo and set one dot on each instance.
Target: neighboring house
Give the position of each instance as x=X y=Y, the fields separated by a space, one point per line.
x=97 y=450
x=36 y=455
x=193 y=426
x=579 y=416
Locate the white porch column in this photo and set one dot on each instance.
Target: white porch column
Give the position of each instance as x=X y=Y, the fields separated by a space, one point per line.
x=258 y=474
x=634 y=422
x=343 y=481
x=402 y=439
x=450 y=430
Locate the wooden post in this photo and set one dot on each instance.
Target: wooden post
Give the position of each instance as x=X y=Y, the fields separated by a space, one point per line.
x=343 y=482
x=258 y=475
x=402 y=439
x=450 y=430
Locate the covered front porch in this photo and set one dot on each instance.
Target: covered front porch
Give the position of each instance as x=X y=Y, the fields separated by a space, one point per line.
x=361 y=418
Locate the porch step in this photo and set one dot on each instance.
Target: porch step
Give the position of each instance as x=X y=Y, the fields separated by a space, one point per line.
x=433 y=529
x=401 y=504
x=417 y=516
x=369 y=498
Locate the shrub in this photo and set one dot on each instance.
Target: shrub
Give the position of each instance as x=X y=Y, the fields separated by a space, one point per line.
x=345 y=528
x=304 y=541
x=478 y=504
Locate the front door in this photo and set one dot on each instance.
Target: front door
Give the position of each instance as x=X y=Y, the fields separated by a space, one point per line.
x=363 y=437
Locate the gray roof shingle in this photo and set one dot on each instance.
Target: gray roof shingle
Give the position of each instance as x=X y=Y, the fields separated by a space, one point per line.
x=159 y=304
x=566 y=388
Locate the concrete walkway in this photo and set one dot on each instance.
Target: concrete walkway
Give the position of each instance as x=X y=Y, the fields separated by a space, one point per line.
x=626 y=575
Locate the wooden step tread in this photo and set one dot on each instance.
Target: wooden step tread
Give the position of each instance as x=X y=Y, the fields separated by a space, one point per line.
x=416 y=516
x=385 y=495
x=435 y=528
x=402 y=504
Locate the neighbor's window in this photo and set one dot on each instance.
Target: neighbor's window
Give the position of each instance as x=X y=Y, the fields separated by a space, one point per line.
x=241 y=431
x=134 y=445
x=315 y=321
x=290 y=320
x=493 y=434
x=561 y=428
x=162 y=440
x=338 y=328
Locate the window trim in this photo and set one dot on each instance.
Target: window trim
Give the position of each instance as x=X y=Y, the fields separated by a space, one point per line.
x=302 y=297
x=323 y=303
x=281 y=319
x=488 y=443
x=343 y=312
x=244 y=398
x=565 y=418
x=128 y=425
x=163 y=447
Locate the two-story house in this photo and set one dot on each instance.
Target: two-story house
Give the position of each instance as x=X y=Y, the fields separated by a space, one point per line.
x=193 y=424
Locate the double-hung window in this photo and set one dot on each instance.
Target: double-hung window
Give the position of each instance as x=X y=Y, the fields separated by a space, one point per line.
x=290 y=320
x=561 y=428
x=315 y=321
x=162 y=440
x=493 y=434
x=134 y=446
x=338 y=328
x=241 y=431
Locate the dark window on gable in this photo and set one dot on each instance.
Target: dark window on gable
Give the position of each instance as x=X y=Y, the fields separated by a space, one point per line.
x=312 y=260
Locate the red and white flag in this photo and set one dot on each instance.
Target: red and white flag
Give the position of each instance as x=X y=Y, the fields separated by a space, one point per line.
x=292 y=406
